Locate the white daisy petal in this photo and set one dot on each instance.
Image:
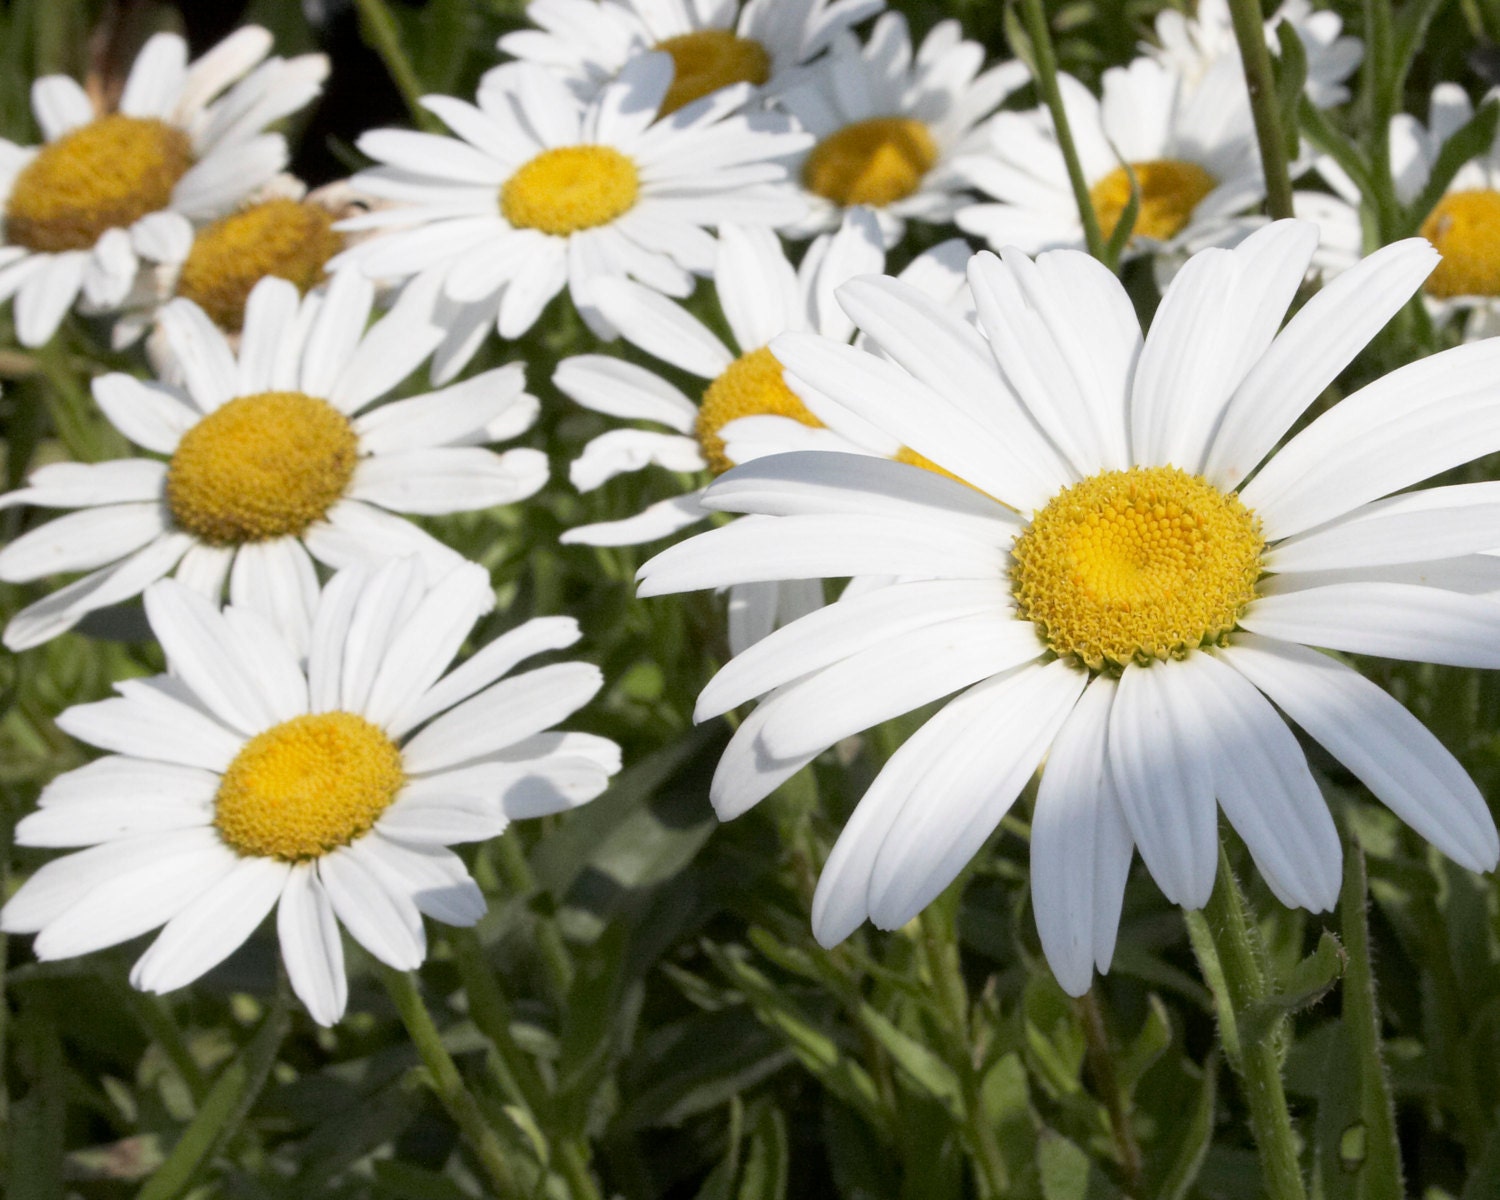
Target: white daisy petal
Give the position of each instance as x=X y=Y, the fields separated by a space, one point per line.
x=146 y=721
x=442 y=820
x=660 y=327
x=1388 y=749
x=81 y=541
x=201 y=353
x=216 y=924
x=621 y=389
x=435 y=878
x=60 y=106
x=1161 y=747
x=1080 y=846
x=150 y=414
x=448 y=479
x=311 y=946
x=927 y=844
x=660 y=520
x=447 y=417
x=85 y=485
x=46 y=294
x=276 y=579
x=621 y=451
x=747 y=773
x=384 y=921
x=156 y=77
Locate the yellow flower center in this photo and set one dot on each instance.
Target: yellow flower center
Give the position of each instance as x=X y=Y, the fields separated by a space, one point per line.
x=280 y=237
x=570 y=188
x=1465 y=227
x=1131 y=566
x=104 y=175
x=1170 y=191
x=260 y=467
x=876 y=162
x=750 y=386
x=307 y=786
x=710 y=59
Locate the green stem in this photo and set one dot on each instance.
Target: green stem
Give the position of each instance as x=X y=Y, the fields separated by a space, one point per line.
x=940 y=950
x=1102 y=1063
x=1382 y=1166
x=1230 y=957
x=516 y=1073
x=1250 y=32
x=385 y=38
x=1045 y=65
x=518 y=875
x=448 y=1084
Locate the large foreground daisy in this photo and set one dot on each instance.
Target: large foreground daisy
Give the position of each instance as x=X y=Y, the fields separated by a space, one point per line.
x=274 y=457
x=539 y=191
x=713 y=43
x=1108 y=593
x=1190 y=147
x=106 y=190
x=245 y=780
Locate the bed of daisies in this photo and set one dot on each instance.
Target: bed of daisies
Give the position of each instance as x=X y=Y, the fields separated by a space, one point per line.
x=690 y=599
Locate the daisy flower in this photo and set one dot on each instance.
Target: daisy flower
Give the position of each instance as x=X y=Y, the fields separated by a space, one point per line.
x=273 y=457
x=1111 y=595
x=889 y=125
x=78 y=213
x=246 y=780
x=281 y=230
x=1192 y=151
x=1191 y=45
x=539 y=191
x=713 y=43
x=1464 y=225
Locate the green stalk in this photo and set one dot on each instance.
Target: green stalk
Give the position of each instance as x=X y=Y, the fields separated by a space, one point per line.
x=1229 y=956
x=1250 y=33
x=448 y=1084
x=384 y=38
x=940 y=950
x=1045 y=66
x=516 y=1073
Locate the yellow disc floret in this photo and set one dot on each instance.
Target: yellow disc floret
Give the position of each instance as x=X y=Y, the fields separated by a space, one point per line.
x=1170 y=191
x=104 y=175
x=280 y=237
x=260 y=467
x=1131 y=566
x=709 y=59
x=873 y=162
x=750 y=386
x=1465 y=227
x=570 y=188
x=307 y=786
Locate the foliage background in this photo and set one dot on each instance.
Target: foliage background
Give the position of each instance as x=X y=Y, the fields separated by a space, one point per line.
x=660 y=1006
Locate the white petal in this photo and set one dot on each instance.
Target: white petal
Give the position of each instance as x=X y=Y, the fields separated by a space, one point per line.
x=1266 y=790
x=84 y=485
x=147 y=722
x=156 y=77
x=82 y=540
x=311 y=946
x=756 y=286
x=384 y=922
x=442 y=820
x=1080 y=846
x=336 y=332
x=747 y=773
x=1012 y=720
x=60 y=106
x=267 y=346
x=1387 y=748
x=622 y=389
x=150 y=414
x=661 y=327
x=277 y=580
x=452 y=416
x=201 y=353
x=503 y=713
x=216 y=924
x=1161 y=747
x=659 y=520
x=448 y=479
x=621 y=451
x=389 y=598
x=353 y=532
x=46 y=294
x=435 y=878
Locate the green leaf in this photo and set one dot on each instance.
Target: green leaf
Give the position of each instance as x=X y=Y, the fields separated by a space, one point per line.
x=1193 y=1137
x=1308 y=983
x=35 y=1144
x=1064 y=1168
x=1147 y=1046
x=921 y=1065
x=400 y=1179
x=1119 y=237
x=768 y=1161
x=226 y=1105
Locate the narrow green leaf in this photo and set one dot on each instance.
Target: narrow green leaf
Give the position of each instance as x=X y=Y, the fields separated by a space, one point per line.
x=1193 y=1138
x=1119 y=236
x=226 y=1105
x=768 y=1161
x=1147 y=1046
x=921 y=1065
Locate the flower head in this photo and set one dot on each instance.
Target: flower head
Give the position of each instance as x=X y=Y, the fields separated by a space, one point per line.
x=1128 y=584
x=106 y=190
x=890 y=123
x=539 y=191
x=274 y=456
x=330 y=789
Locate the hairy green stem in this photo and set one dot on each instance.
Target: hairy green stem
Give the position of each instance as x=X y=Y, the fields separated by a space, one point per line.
x=1229 y=956
x=1250 y=33
x=385 y=39
x=448 y=1084
x=1045 y=65
x=516 y=1073
x=940 y=950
